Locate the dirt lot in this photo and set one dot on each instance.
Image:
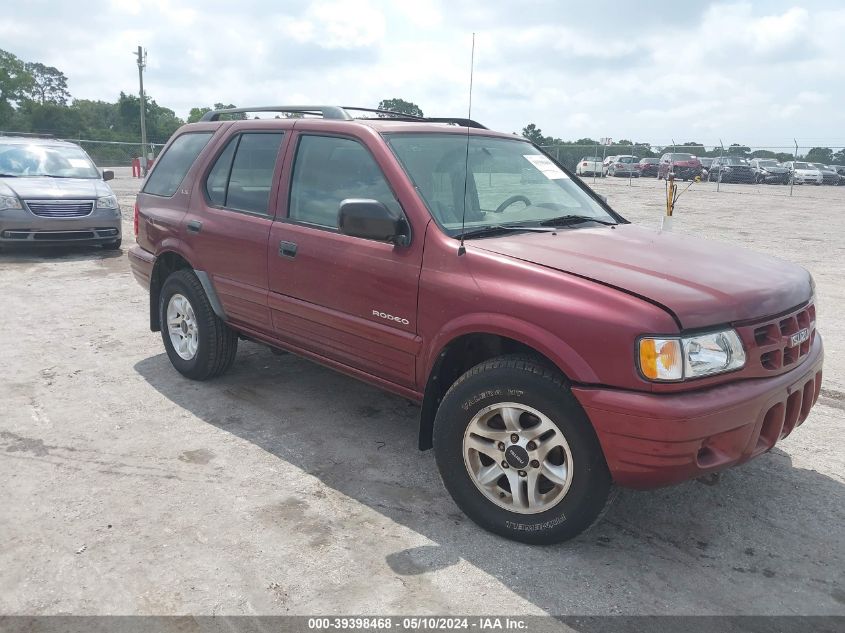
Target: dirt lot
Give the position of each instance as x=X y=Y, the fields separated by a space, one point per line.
x=285 y=488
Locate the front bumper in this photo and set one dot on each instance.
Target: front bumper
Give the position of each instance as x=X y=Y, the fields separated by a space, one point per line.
x=651 y=440
x=19 y=226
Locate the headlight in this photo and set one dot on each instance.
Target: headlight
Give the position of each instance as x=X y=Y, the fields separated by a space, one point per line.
x=9 y=202
x=107 y=202
x=673 y=359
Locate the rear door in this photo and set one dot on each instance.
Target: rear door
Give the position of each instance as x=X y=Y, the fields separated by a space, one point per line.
x=229 y=223
x=347 y=299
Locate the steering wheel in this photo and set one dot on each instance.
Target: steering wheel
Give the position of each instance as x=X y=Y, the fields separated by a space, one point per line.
x=510 y=201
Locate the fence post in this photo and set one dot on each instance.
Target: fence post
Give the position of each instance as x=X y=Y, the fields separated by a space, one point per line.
x=792 y=175
x=719 y=177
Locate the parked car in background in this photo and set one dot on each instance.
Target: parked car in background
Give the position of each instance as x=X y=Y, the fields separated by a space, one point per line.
x=769 y=171
x=829 y=176
x=555 y=349
x=589 y=166
x=804 y=173
x=625 y=165
x=684 y=166
x=731 y=169
x=705 y=165
x=839 y=169
x=648 y=166
x=51 y=192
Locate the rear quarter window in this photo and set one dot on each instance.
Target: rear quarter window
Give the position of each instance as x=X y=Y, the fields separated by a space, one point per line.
x=171 y=167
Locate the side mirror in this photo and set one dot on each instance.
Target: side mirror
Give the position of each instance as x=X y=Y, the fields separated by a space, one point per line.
x=372 y=220
x=603 y=198
x=108 y=174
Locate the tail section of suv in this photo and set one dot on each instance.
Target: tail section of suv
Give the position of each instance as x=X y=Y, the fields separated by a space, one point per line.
x=464 y=269
x=51 y=192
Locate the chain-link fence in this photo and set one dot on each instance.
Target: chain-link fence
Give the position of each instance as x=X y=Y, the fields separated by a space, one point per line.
x=114 y=153
x=796 y=170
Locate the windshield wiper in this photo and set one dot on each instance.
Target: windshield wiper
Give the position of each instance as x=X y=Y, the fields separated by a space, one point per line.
x=495 y=229
x=566 y=220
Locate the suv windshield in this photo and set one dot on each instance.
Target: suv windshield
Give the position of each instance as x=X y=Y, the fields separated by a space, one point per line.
x=626 y=159
x=732 y=160
x=510 y=181
x=58 y=161
x=681 y=157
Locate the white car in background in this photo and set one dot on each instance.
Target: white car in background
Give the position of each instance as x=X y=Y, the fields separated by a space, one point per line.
x=804 y=173
x=589 y=166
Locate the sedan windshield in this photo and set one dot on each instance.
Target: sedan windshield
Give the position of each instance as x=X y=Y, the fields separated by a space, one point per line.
x=58 y=161
x=510 y=182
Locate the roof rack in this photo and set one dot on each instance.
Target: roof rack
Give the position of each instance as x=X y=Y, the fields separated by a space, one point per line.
x=340 y=113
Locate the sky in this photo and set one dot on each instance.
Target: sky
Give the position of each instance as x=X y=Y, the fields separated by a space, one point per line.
x=760 y=73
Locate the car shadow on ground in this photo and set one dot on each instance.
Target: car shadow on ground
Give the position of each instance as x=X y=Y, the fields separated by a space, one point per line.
x=767 y=539
x=11 y=255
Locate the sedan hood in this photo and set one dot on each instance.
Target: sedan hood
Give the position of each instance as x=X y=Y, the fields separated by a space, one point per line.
x=701 y=282
x=44 y=187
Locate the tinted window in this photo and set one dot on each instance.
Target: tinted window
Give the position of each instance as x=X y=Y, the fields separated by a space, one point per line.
x=329 y=170
x=218 y=177
x=171 y=167
x=242 y=175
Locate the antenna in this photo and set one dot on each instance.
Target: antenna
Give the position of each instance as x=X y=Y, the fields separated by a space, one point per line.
x=461 y=249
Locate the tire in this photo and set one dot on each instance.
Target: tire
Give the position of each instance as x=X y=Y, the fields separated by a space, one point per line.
x=112 y=246
x=579 y=497
x=215 y=342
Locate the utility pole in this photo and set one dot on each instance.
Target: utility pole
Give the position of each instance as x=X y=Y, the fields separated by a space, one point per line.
x=142 y=64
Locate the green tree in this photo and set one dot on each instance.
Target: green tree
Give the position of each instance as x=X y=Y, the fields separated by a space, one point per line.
x=49 y=84
x=401 y=106
x=534 y=134
x=196 y=114
x=822 y=155
x=839 y=157
x=15 y=82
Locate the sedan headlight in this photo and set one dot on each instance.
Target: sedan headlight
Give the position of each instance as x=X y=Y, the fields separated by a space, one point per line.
x=673 y=359
x=107 y=202
x=9 y=202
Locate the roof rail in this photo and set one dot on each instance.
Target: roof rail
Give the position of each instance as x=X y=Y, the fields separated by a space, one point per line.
x=327 y=112
x=340 y=113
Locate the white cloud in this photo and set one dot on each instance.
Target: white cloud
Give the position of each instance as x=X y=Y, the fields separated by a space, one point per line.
x=746 y=72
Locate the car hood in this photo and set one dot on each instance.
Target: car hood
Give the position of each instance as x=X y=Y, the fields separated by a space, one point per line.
x=775 y=170
x=701 y=282
x=43 y=187
x=808 y=172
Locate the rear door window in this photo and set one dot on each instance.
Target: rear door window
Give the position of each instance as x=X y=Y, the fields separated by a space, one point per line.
x=242 y=176
x=171 y=167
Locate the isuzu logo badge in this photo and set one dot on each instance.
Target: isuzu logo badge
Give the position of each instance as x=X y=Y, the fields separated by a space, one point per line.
x=799 y=337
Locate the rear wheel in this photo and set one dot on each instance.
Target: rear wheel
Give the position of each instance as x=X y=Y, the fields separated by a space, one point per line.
x=199 y=344
x=518 y=454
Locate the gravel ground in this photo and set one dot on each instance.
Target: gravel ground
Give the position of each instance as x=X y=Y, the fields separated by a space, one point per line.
x=284 y=488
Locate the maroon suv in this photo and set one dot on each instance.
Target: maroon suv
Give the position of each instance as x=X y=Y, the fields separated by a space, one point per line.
x=683 y=166
x=555 y=349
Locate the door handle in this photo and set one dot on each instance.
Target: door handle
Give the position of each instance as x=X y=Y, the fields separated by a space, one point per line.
x=194 y=226
x=287 y=249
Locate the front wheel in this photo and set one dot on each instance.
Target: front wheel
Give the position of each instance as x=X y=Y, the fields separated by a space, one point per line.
x=518 y=454
x=199 y=344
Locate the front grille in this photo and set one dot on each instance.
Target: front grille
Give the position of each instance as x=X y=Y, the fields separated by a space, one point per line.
x=61 y=208
x=771 y=343
x=782 y=417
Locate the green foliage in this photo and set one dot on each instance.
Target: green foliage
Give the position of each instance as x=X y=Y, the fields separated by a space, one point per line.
x=820 y=155
x=49 y=84
x=15 y=82
x=400 y=105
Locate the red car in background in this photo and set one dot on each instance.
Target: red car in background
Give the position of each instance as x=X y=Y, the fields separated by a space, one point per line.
x=684 y=166
x=648 y=166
